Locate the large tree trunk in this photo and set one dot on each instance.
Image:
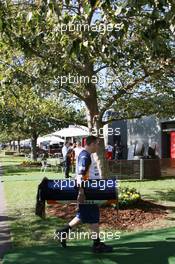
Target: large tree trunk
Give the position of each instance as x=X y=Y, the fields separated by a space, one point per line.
x=94 y=123
x=96 y=127
x=34 y=146
x=102 y=162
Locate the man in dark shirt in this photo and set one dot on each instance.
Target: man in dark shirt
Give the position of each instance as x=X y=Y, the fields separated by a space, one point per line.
x=68 y=161
x=87 y=212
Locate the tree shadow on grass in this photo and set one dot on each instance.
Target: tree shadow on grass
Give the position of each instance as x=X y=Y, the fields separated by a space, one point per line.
x=6 y=218
x=158 y=252
x=167 y=178
x=166 y=196
x=34 y=229
x=155 y=247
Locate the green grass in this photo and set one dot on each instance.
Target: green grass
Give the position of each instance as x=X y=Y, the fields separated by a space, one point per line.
x=10 y=160
x=159 y=190
x=33 y=237
x=12 y=171
x=155 y=247
x=20 y=190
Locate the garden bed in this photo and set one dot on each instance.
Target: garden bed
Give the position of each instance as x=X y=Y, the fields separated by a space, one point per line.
x=31 y=164
x=133 y=217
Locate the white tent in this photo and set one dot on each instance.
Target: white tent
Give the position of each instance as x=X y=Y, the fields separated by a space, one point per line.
x=55 y=141
x=72 y=131
x=54 y=138
x=49 y=139
x=26 y=142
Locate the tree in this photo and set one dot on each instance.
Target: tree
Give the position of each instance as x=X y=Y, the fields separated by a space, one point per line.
x=135 y=51
x=28 y=115
x=27 y=111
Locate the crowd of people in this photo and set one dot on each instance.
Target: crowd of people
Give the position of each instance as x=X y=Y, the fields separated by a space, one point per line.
x=71 y=151
x=114 y=152
x=70 y=154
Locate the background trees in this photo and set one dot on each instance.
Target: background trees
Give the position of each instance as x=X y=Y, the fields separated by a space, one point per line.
x=31 y=116
x=131 y=61
x=28 y=113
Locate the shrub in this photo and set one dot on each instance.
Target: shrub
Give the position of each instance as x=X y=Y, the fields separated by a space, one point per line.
x=126 y=198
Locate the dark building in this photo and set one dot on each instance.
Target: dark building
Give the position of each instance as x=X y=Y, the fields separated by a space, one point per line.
x=150 y=131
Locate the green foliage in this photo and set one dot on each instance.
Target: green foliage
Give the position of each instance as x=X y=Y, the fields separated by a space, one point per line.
x=138 y=51
x=131 y=61
x=126 y=197
x=26 y=110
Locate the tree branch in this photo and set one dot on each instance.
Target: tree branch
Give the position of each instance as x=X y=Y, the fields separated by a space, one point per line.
x=78 y=95
x=133 y=84
x=122 y=118
x=101 y=68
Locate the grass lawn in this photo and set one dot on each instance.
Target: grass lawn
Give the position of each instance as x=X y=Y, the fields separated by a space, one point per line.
x=10 y=160
x=158 y=190
x=156 y=247
x=33 y=237
x=20 y=190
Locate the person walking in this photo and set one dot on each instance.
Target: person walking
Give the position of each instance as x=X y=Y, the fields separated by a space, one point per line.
x=87 y=212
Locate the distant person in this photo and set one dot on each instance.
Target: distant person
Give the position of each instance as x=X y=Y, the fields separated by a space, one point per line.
x=44 y=156
x=71 y=145
x=77 y=151
x=65 y=149
x=68 y=162
x=74 y=145
x=118 y=151
x=109 y=151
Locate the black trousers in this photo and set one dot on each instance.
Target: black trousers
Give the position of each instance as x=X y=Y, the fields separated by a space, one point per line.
x=67 y=166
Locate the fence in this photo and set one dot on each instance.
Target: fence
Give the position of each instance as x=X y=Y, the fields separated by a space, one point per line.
x=167 y=167
x=142 y=169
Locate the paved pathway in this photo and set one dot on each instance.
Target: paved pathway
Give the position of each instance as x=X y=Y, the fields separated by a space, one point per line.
x=4 y=227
